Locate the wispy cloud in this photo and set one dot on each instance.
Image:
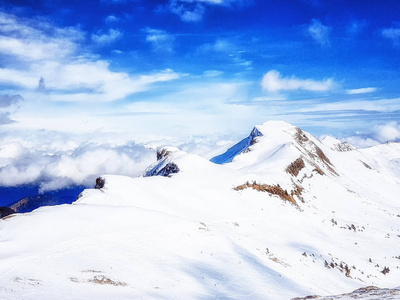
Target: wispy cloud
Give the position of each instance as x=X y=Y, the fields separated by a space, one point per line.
x=212 y=73
x=319 y=33
x=160 y=40
x=193 y=10
x=379 y=105
x=106 y=38
x=8 y=100
x=53 y=59
x=111 y=19
x=392 y=34
x=274 y=82
x=361 y=91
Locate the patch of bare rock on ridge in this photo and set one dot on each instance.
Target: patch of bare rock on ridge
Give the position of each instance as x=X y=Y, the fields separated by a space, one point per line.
x=314 y=153
x=367 y=293
x=163 y=166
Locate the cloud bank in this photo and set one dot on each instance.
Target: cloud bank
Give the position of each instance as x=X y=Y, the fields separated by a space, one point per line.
x=80 y=166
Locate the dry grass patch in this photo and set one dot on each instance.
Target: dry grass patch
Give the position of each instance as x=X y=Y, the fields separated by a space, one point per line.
x=295 y=167
x=103 y=280
x=271 y=189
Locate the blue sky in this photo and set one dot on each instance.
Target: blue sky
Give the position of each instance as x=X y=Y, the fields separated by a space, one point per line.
x=189 y=70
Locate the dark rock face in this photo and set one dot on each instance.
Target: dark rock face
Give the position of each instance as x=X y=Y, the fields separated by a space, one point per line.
x=5 y=211
x=162 y=153
x=167 y=170
x=99 y=183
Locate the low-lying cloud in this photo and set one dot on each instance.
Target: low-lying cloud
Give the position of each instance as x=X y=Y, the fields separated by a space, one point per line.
x=379 y=134
x=21 y=165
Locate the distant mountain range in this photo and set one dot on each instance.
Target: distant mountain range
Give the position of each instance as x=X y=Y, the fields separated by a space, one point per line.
x=279 y=215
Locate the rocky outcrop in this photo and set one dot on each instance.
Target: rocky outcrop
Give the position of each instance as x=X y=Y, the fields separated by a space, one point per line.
x=367 y=293
x=6 y=211
x=164 y=166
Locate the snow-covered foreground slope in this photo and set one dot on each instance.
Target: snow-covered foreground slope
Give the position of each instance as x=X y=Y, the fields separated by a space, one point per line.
x=287 y=216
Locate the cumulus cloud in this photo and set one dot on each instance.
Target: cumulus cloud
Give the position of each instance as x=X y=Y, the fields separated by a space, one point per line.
x=388 y=132
x=21 y=165
x=53 y=59
x=361 y=91
x=378 y=134
x=274 y=82
x=160 y=40
x=392 y=34
x=361 y=141
x=319 y=33
x=107 y=38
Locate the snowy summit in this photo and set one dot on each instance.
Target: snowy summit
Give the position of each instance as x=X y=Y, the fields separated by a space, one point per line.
x=279 y=215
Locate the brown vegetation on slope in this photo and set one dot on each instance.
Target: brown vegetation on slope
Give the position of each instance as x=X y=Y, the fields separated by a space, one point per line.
x=272 y=189
x=295 y=167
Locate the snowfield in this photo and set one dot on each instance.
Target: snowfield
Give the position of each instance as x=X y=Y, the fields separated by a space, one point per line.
x=282 y=215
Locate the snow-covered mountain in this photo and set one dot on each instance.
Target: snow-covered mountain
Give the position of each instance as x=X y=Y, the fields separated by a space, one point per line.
x=277 y=216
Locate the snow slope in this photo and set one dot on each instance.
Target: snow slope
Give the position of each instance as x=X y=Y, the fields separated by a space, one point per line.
x=193 y=234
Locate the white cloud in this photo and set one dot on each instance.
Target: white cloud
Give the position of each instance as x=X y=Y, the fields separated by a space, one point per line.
x=160 y=40
x=111 y=19
x=378 y=134
x=319 y=32
x=212 y=73
x=274 y=82
x=361 y=91
x=193 y=10
x=53 y=59
x=20 y=165
x=380 y=105
x=361 y=142
x=387 y=132
x=107 y=38
x=392 y=34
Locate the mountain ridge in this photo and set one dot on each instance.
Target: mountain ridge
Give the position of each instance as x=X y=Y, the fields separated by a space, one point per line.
x=210 y=230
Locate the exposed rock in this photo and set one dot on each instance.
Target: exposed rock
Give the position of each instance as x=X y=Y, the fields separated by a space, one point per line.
x=167 y=170
x=165 y=151
x=5 y=211
x=99 y=183
x=367 y=293
x=20 y=204
x=295 y=167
